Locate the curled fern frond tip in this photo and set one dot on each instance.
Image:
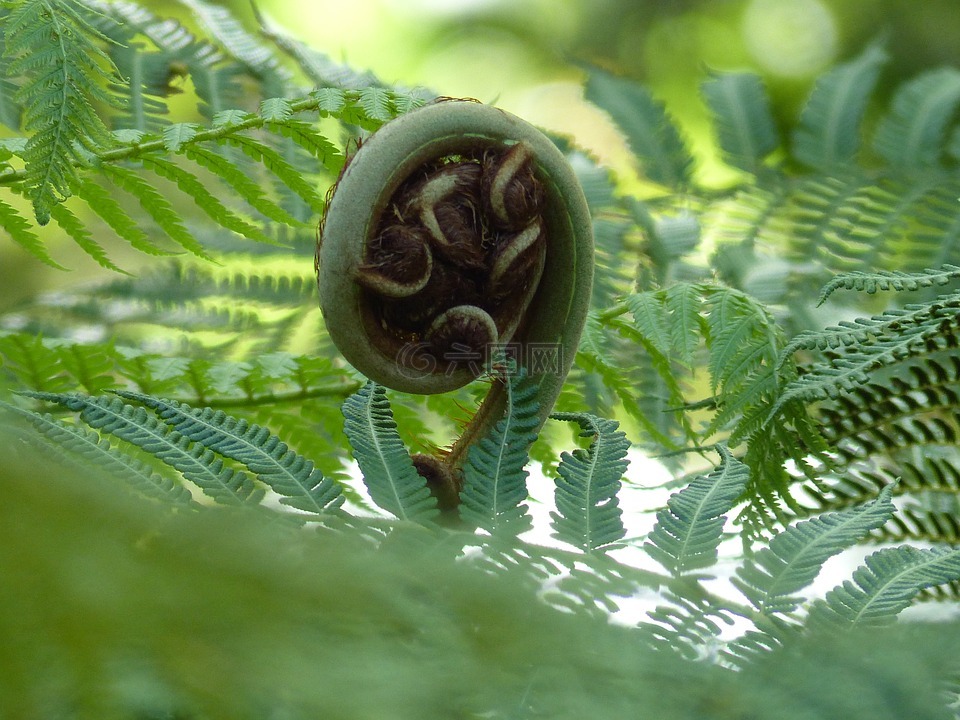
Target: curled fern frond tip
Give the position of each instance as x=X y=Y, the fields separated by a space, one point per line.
x=455 y=228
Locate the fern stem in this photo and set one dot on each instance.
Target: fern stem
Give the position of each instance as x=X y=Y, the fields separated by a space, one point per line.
x=338 y=390
x=134 y=150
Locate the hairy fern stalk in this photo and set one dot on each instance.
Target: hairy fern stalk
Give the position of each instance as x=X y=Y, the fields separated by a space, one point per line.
x=787 y=345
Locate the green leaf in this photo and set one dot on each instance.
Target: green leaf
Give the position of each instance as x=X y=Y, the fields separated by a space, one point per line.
x=174 y=136
x=289 y=474
x=387 y=469
x=794 y=558
x=377 y=103
x=828 y=135
x=240 y=181
x=73 y=227
x=198 y=464
x=649 y=131
x=884 y=585
x=19 y=231
x=59 y=52
x=279 y=166
x=205 y=200
x=495 y=481
x=87 y=448
x=689 y=530
x=588 y=516
x=103 y=204
x=742 y=117
x=912 y=134
x=157 y=206
x=275 y=109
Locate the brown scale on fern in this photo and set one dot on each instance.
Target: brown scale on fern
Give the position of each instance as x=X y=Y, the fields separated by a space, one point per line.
x=458 y=253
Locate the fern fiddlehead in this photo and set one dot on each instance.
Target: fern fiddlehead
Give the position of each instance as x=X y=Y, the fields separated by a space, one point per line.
x=455 y=229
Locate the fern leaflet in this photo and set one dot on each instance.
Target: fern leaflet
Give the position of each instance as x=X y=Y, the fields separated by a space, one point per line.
x=829 y=131
x=86 y=447
x=650 y=132
x=51 y=42
x=494 y=478
x=744 y=123
x=588 y=515
x=795 y=556
x=387 y=470
x=689 y=529
x=884 y=585
x=290 y=475
x=198 y=464
x=911 y=136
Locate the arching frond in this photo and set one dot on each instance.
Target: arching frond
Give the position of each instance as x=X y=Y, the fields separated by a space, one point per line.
x=911 y=135
x=287 y=473
x=494 y=478
x=829 y=131
x=649 y=131
x=689 y=529
x=773 y=576
x=60 y=54
x=387 y=469
x=135 y=425
x=588 y=516
x=743 y=119
x=884 y=586
x=881 y=280
x=87 y=448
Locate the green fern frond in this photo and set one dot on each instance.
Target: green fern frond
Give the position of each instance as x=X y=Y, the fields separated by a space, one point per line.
x=588 y=516
x=377 y=103
x=75 y=229
x=686 y=625
x=885 y=585
x=102 y=202
x=306 y=137
x=146 y=76
x=689 y=529
x=51 y=43
x=196 y=463
x=290 y=475
x=742 y=118
x=883 y=280
x=279 y=166
x=911 y=135
x=87 y=448
x=235 y=178
x=193 y=187
x=256 y=59
x=156 y=206
x=388 y=471
x=494 y=478
x=649 y=131
x=20 y=232
x=828 y=134
x=870 y=344
x=795 y=556
x=218 y=84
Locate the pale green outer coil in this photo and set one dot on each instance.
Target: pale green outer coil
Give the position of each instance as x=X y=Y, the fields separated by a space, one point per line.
x=559 y=308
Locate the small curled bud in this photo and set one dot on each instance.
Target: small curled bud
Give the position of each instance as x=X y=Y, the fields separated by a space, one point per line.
x=398 y=262
x=465 y=332
x=511 y=192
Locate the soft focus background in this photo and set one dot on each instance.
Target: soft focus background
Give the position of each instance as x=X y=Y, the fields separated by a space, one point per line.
x=524 y=55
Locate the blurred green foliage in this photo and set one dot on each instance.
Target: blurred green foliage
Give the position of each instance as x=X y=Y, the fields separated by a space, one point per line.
x=115 y=607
